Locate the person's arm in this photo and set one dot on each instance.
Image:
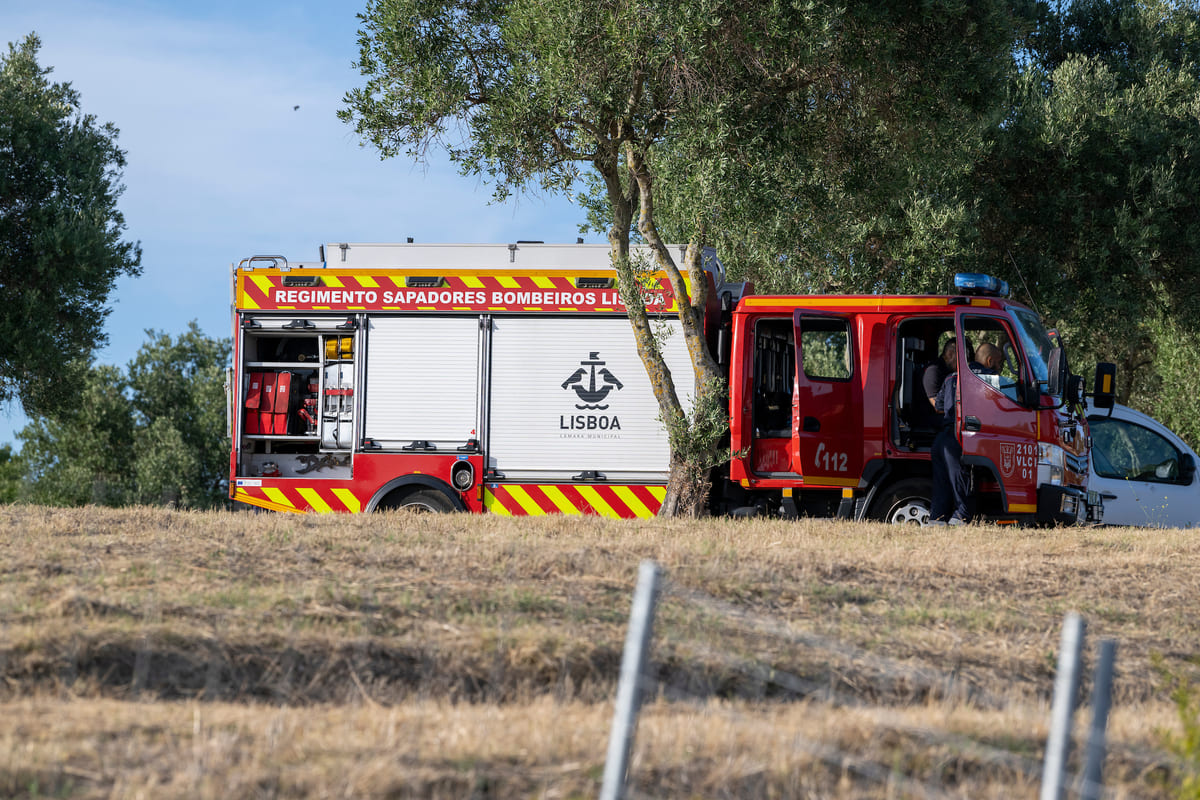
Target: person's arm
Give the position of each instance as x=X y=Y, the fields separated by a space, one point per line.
x=932 y=384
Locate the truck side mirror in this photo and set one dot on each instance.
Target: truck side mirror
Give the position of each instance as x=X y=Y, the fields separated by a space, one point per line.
x=1031 y=394
x=1104 y=392
x=1057 y=378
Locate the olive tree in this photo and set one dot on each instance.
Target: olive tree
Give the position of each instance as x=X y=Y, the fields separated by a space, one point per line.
x=61 y=251
x=715 y=111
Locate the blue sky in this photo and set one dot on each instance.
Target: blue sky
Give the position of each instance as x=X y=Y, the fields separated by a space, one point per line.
x=220 y=164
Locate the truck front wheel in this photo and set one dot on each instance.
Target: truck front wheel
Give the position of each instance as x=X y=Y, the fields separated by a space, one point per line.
x=426 y=500
x=905 y=502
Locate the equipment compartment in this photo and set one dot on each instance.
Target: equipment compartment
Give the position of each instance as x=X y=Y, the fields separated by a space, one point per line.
x=297 y=404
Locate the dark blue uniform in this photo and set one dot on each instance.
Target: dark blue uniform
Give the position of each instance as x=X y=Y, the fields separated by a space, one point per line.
x=951 y=479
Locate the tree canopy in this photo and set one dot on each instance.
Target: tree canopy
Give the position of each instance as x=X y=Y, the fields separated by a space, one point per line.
x=60 y=233
x=1086 y=199
x=154 y=433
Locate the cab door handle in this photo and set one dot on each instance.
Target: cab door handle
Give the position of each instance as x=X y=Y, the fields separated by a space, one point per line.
x=972 y=424
x=812 y=425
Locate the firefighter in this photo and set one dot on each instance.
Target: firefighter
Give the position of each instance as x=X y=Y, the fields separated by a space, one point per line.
x=951 y=478
x=936 y=373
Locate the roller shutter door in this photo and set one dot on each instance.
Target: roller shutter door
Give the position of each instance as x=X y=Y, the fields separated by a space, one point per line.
x=422 y=380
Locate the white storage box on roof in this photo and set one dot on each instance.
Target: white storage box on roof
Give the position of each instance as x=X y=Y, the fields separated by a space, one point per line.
x=471 y=256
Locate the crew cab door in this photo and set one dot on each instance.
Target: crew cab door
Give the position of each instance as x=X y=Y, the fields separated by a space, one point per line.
x=995 y=429
x=827 y=417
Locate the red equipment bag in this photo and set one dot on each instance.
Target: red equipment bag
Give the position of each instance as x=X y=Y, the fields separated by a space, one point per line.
x=283 y=403
x=253 y=402
x=266 y=408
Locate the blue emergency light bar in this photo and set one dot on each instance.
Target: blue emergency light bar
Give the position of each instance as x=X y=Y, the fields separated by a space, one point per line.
x=978 y=283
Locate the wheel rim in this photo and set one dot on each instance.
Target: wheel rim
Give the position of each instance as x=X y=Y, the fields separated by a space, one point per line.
x=911 y=511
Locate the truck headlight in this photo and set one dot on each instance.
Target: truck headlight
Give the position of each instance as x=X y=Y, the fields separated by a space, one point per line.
x=1052 y=461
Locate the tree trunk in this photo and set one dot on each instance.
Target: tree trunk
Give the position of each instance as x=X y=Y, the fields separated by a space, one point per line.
x=694 y=447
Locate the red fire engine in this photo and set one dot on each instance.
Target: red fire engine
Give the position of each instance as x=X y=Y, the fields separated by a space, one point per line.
x=504 y=379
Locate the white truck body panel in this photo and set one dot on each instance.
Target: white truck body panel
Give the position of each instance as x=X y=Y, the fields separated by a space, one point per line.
x=422 y=380
x=547 y=417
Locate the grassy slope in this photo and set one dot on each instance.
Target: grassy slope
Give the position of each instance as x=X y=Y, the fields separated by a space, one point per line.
x=242 y=655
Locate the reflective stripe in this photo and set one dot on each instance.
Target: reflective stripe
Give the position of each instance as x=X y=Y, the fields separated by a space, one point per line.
x=592 y=496
x=527 y=503
x=245 y=497
x=315 y=500
x=277 y=496
x=560 y=500
x=352 y=503
x=492 y=503
x=621 y=501
x=301 y=498
x=630 y=499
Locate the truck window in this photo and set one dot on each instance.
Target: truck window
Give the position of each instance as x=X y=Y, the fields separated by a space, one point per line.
x=826 y=348
x=991 y=332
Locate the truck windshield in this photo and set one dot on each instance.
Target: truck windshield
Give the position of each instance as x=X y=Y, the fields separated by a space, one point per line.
x=1037 y=341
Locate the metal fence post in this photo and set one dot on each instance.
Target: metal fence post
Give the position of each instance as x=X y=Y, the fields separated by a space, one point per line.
x=629 y=695
x=1066 y=686
x=1093 y=768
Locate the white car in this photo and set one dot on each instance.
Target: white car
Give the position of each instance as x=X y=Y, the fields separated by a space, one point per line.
x=1145 y=473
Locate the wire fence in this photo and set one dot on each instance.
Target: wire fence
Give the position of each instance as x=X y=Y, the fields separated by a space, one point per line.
x=638 y=682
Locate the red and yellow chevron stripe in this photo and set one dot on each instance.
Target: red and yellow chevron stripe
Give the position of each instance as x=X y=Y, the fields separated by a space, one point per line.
x=321 y=499
x=621 y=500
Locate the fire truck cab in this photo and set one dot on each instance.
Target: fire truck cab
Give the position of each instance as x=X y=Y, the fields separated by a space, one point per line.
x=828 y=416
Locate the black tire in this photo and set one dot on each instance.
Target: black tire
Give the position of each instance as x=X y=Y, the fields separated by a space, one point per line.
x=905 y=502
x=422 y=500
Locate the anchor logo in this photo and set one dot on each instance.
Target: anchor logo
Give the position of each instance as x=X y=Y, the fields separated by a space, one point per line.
x=590 y=393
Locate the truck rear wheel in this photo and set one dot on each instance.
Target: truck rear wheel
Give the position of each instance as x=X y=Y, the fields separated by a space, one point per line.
x=426 y=500
x=905 y=502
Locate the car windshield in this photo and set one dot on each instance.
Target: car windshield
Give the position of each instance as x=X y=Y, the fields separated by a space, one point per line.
x=1037 y=342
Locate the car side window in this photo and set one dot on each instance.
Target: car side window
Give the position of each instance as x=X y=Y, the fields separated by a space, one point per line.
x=1128 y=451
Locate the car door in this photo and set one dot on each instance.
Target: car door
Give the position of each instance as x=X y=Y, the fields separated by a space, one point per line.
x=1145 y=473
x=827 y=438
x=994 y=428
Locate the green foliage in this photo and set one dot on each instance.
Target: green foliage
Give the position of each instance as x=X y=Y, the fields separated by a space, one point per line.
x=1172 y=394
x=848 y=182
x=1186 y=743
x=60 y=247
x=178 y=391
x=1087 y=199
x=154 y=434
x=83 y=454
x=11 y=470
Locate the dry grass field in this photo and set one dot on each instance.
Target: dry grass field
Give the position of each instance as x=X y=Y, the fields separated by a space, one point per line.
x=158 y=654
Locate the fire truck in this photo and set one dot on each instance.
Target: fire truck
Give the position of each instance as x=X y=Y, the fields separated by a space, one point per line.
x=504 y=379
